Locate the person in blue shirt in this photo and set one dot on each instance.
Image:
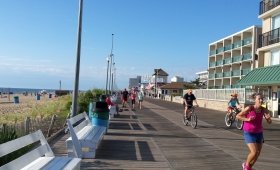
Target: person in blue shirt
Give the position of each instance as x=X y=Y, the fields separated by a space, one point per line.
x=233 y=103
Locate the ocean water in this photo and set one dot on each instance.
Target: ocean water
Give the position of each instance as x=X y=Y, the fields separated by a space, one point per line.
x=23 y=90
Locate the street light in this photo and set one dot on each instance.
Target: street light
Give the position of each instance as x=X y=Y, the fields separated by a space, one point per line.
x=76 y=84
x=111 y=62
x=113 y=74
x=108 y=59
x=110 y=73
x=156 y=77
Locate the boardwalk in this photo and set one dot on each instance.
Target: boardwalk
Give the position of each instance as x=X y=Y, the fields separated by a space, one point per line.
x=155 y=138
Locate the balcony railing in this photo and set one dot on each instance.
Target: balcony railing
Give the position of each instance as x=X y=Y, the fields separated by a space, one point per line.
x=227 y=60
x=212 y=52
x=228 y=47
x=269 y=38
x=219 y=62
x=268 y=5
x=219 y=50
x=236 y=58
x=235 y=86
x=236 y=73
x=237 y=44
x=247 y=41
x=219 y=75
x=245 y=71
x=226 y=86
x=227 y=74
x=212 y=64
x=247 y=56
x=211 y=76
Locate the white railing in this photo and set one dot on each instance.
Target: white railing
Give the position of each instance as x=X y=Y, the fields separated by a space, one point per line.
x=223 y=94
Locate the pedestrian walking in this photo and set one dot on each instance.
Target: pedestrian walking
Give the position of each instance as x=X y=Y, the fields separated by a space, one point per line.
x=140 y=99
x=252 y=117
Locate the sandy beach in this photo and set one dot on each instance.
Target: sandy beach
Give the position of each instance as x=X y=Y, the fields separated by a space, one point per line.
x=7 y=104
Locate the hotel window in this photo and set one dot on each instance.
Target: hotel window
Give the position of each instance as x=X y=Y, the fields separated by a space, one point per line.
x=275 y=22
x=275 y=57
x=274 y=25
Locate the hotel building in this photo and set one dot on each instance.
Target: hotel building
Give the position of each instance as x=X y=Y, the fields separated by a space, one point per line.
x=266 y=77
x=231 y=58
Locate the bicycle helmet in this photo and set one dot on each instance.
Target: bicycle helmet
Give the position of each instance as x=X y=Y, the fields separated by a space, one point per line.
x=234 y=94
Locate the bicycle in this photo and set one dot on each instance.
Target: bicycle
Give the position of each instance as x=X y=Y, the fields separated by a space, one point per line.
x=230 y=118
x=193 y=118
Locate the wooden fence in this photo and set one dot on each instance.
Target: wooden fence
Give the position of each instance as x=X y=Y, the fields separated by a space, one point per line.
x=48 y=125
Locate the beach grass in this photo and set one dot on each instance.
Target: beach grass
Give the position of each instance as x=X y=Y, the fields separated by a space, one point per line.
x=12 y=113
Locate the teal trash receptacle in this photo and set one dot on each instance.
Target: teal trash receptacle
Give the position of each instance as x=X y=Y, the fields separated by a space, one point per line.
x=100 y=114
x=38 y=97
x=16 y=99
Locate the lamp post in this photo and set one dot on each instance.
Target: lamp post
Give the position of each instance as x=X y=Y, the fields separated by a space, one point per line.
x=108 y=59
x=76 y=84
x=113 y=74
x=111 y=62
x=156 y=77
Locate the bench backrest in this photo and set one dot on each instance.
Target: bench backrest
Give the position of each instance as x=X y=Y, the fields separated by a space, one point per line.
x=79 y=121
x=42 y=150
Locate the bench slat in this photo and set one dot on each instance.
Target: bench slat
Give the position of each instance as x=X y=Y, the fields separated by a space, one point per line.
x=38 y=163
x=49 y=163
x=57 y=163
x=21 y=142
x=41 y=157
x=26 y=158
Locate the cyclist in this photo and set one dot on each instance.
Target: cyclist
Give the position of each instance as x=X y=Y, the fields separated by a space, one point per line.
x=233 y=103
x=188 y=102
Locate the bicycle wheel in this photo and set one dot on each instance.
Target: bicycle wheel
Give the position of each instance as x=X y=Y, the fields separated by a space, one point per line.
x=239 y=124
x=193 y=120
x=228 y=120
x=185 y=121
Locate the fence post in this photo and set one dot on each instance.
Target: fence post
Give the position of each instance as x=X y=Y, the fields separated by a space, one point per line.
x=27 y=125
x=51 y=125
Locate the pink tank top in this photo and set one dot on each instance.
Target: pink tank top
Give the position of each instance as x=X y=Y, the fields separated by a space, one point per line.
x=254 y=126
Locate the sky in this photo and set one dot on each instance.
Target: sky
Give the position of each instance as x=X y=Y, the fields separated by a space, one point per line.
x=38 y=39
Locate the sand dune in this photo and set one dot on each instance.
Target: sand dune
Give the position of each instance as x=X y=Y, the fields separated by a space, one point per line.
x=7 y=104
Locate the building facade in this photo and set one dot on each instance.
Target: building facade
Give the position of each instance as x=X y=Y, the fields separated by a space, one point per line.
x=266 y=78
x=203 y=77
x=231 y=58
x=134 y=82
x=177 y=79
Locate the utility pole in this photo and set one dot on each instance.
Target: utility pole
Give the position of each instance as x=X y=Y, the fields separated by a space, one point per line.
x=76 y=84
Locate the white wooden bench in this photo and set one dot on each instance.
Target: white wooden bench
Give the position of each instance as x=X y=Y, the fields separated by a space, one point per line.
x=41 y=157
x=84 y=138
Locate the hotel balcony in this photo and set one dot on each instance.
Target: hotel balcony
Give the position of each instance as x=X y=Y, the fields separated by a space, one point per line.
x=269 y=38
x=267 y=5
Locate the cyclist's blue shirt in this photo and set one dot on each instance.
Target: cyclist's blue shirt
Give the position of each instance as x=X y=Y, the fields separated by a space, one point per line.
x=232 y=102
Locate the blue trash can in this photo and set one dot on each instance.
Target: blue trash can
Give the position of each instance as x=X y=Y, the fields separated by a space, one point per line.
x=16 y=99
x=100 y=114
x=38 y=97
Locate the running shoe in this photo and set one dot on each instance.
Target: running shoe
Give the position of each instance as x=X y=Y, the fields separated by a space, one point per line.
x=245 y=167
